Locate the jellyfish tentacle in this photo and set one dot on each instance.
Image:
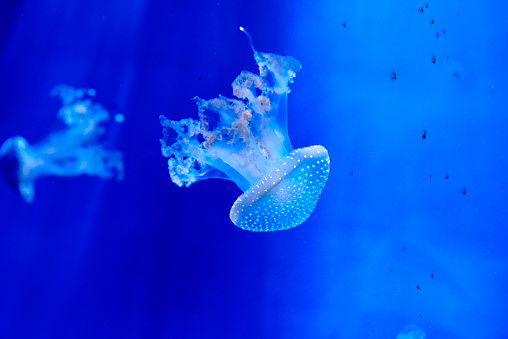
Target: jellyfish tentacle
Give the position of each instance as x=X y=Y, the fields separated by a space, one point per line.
x=251 y=42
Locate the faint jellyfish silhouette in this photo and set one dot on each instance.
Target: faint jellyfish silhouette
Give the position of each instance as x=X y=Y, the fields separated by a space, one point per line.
x=246 y=141
x=68 y=152
x=411 y=332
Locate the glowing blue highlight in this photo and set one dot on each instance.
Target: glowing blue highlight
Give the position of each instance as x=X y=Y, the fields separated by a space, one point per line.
x=119 y=118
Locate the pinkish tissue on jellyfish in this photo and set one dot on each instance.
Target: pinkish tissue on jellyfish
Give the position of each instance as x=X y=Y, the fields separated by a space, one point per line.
x=246 y=141
x=68 y=152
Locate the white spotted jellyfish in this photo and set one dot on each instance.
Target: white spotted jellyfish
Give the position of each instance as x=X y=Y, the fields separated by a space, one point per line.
x=246 y=141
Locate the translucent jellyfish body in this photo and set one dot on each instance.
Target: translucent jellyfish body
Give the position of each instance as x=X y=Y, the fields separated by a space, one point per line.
x=246 y=141
x=411 y=332
x=69 y=152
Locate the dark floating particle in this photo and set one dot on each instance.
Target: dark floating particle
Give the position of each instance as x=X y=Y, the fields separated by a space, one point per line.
x=344 y=24
x=433 y=59
x=420 y=315
x=463 y=191
x=350 y=173
x=424 y=134
x=456 y=74
x=432 y=21
x=458 y=13
x=403 y=249
x=392 y=75
x=420 y=9
x=432 y=275
x=390 y=269
x=446 y=176
x=427 y=6
x=200 y=78
x=437 y=35
x=417 y=287
x=394 y=288
x=376 y=295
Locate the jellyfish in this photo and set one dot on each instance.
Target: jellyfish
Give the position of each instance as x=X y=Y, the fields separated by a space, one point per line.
x=246 y=140
x=411 y=332
x=71 y=151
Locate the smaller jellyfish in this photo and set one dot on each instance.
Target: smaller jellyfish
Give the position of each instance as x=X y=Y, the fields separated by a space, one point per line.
x=71 y=151
x=246 y=140
x=411 y=332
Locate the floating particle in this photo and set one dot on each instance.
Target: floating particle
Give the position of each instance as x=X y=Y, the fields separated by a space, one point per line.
x=433 y=59
x=446 y=176
x=456 y=74
x=420 y=9
x=392 y=75
x=432 y=275
x=463 y=191
x=424 y=134
x=344 y=24
x=431 y=21
x=417 y=287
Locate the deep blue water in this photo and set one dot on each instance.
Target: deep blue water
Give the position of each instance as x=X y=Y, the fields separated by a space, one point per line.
x=143 y=258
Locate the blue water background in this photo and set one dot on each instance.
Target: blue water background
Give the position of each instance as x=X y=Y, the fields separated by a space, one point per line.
x=143 y=258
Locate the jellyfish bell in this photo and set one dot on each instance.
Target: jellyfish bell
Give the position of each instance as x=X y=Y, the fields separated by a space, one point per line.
x=9 y=163
x=287 y=196
x=17 y=165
